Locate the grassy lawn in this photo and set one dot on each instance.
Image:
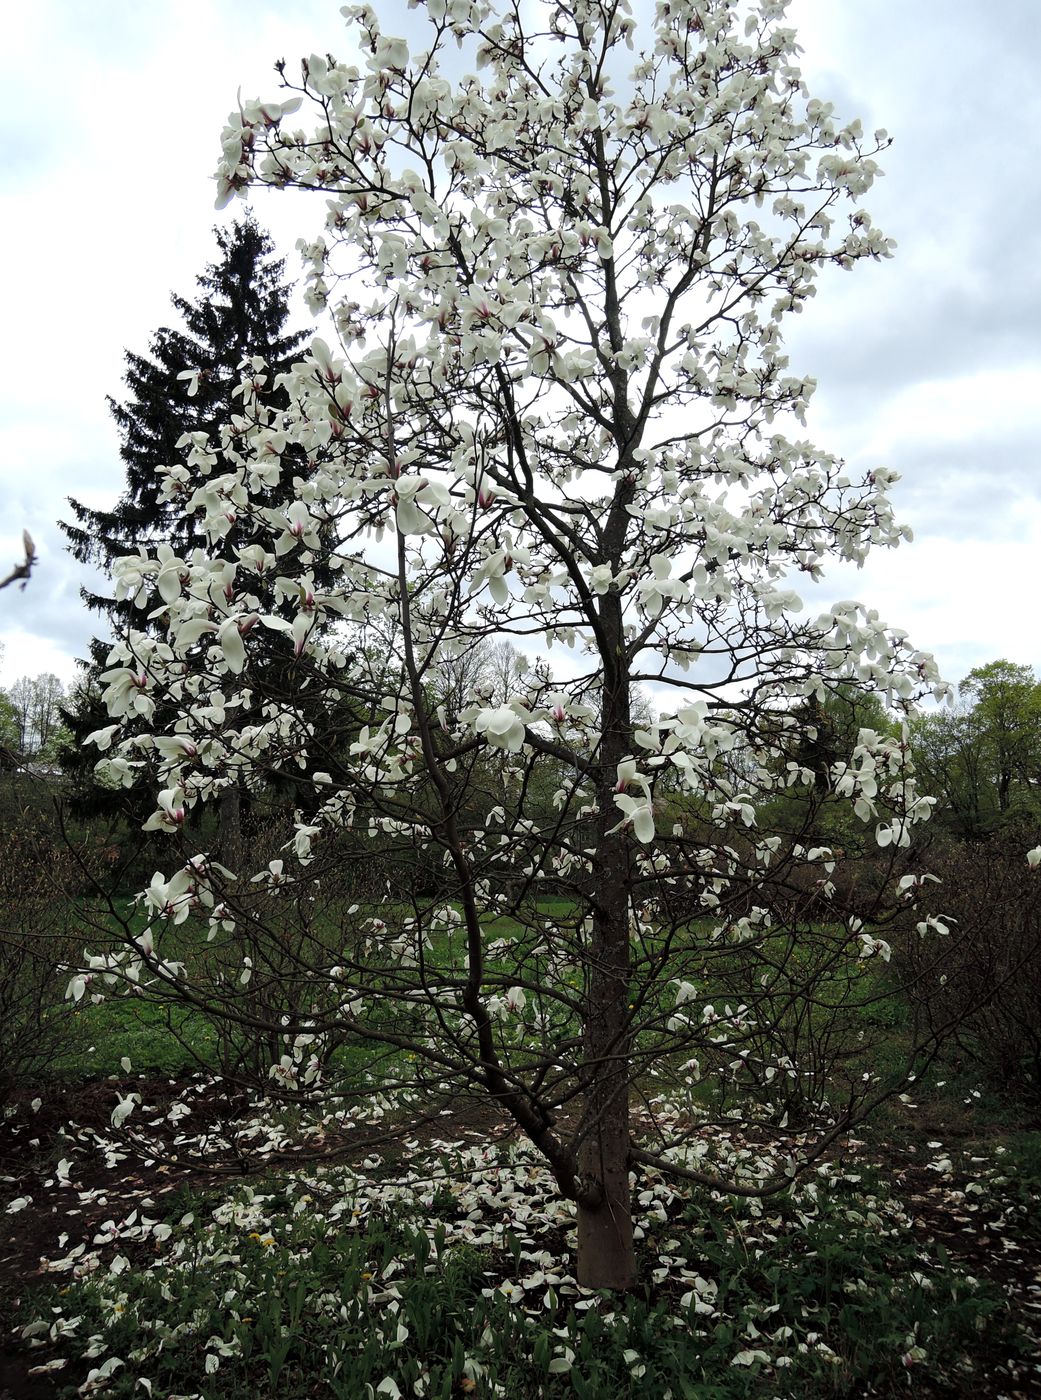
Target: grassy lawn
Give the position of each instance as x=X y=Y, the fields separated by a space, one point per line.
x=171 y=1040
x=158 y=1040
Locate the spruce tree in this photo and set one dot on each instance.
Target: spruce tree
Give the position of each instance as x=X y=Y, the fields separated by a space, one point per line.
x=240 y=310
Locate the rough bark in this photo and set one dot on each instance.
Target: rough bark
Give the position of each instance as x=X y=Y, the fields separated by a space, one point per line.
x=605 y=1233
x=606 y=1258
x=229 y=828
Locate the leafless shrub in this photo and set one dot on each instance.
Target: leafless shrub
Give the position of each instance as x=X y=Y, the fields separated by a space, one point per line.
x=37 y=940
x=982 y=983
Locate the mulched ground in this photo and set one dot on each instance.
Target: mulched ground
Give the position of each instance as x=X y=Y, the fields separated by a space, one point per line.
x=32 y=1140
x=979 y=1243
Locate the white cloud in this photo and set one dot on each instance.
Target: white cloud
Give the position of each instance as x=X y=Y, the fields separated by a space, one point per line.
x=994 y=403
x=26 y=654
x=111 y=123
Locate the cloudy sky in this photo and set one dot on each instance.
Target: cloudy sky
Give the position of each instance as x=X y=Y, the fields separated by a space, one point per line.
x=929 y=364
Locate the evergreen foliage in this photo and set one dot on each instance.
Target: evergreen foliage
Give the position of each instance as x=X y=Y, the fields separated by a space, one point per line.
x=241 y=310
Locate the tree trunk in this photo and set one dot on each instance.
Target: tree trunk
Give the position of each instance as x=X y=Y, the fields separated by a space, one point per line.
x=605 y=1232
x=606 y=1258
x=229 y=829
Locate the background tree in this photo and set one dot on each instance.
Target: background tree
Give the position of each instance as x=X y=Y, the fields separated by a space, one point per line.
x=183 y=388
x=982 y=758
x=10 y=732
x=185 y=384
x=20 y=698
x=817 y=738
x=555 y=420
x=1007 y=708
x=48 y=732
x=33 y=706
x=949 y=754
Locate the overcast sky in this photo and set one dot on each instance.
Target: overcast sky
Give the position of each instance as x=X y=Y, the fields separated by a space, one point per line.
x=929 y=364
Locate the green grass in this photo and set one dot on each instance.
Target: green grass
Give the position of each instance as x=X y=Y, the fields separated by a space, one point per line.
x=171 y=1040
x=154 y=1038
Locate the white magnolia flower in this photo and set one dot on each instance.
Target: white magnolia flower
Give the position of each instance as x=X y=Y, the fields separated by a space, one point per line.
x=638 y=811
x=895 y=833
x=77 y=986
x=124 y=1108
x=127 y=691
x=229 y=635
x=132 y=574
x=661 y=587
x=503 y=727
x=114 y=773
x=414 y=499
x=168 y=575
x=170 y=813
x=103 y=737
x=300 y=528
x=171 y=899
x=871 y=947
x=175 y=748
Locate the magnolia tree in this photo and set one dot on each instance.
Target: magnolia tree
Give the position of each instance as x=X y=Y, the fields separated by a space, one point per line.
x=551 y=407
